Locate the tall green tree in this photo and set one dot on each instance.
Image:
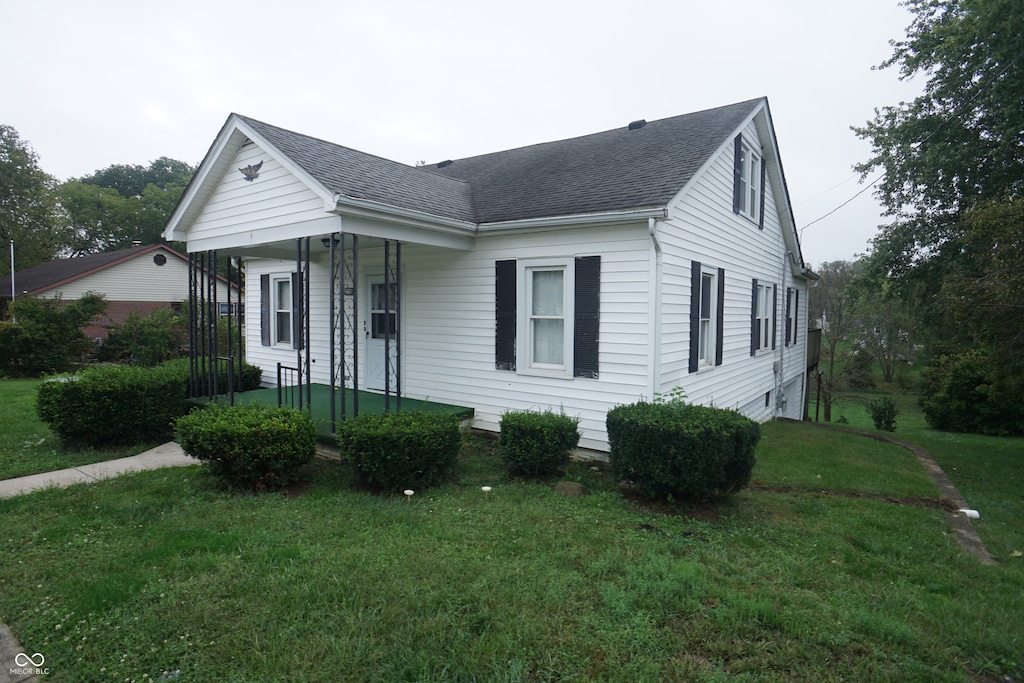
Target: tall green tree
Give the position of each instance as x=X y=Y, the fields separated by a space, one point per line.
x=122 y=203
x=28 y=208
x=961 y=141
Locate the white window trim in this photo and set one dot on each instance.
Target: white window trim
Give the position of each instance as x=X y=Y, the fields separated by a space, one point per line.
x=707 y=361
x=524 y=329
x=750 y=181
x=276 y=308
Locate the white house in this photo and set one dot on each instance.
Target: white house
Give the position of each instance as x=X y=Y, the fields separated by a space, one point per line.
x=572 y=276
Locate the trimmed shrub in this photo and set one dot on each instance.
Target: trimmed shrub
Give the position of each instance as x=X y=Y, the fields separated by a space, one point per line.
x=397 y=451
x=537 y=444
x=114 y=405
x=883 y=413
x=674 y=450
x=252 y=376
x=252 y=446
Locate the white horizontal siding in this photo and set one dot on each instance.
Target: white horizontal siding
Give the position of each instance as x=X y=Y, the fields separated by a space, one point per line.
x=138 y=279
x=237 y=206
x=448 y=326
x=702 y=227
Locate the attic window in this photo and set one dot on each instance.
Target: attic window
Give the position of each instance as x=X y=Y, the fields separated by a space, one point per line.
x=637 y=125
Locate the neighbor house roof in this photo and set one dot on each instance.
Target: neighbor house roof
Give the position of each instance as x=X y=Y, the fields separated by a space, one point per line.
x=631 y=167
x=55 y=273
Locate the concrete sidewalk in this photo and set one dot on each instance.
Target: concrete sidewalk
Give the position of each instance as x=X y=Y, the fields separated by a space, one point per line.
x=167 y=455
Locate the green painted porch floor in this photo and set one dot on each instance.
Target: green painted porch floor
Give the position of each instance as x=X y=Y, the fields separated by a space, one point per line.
x=320 y=405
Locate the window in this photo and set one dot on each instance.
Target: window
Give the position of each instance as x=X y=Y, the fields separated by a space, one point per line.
x=792 y=315
x=282 y=289
x=384 y=323
x=547 y=316
x=707 y=300
x=748 y=181
x=280 y=310
x=546 y=302
x=762 y=317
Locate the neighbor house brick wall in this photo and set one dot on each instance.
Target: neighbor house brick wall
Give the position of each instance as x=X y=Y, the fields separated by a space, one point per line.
x=118 y=311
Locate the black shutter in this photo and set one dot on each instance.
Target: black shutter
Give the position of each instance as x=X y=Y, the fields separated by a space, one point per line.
x=297 y=311
x=505 y=315
x=796 y=314
x=265 y=310
x=755 y=331
x=775 y=313
x=760 y=220
x=694 y=314
x=720 y=317
x=737 y=172
x=587 y=307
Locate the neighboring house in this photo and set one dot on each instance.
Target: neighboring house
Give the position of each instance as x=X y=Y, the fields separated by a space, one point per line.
x=571 y=276
x=137 y=280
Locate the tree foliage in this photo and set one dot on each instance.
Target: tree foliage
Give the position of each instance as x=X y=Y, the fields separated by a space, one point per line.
x=122 y=203
x=45 y=335
x=28 y=207
x=960 y=141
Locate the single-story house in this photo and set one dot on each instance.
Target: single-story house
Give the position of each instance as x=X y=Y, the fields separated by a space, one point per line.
x=138 y=280
x=572 y=276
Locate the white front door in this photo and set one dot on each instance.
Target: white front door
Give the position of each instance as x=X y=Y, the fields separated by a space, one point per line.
x=381 y=332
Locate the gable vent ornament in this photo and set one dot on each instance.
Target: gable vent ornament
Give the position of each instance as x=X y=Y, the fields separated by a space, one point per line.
x=252 y=171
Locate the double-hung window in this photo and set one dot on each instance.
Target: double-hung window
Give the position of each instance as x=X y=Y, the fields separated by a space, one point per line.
x=547 y=316
x=282 y=288
x=792 y=315
x=748 y=181
x=707 y=298
x=280 y=306
x=762 y=317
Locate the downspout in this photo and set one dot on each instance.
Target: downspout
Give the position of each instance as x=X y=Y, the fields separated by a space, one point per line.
x=654 y=310
x=779 y=378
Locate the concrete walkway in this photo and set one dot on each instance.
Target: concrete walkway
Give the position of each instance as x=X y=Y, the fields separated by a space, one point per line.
x=167 y=455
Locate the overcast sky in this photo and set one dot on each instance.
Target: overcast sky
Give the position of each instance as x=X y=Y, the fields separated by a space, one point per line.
x=90 y=84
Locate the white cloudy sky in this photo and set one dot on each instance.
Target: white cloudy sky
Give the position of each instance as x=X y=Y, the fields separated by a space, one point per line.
x=90 y=84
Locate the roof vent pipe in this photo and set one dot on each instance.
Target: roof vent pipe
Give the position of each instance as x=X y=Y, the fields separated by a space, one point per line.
x=637 y=125
x=136 y=243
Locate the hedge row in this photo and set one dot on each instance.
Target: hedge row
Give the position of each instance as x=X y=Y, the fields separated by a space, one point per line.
x=121 y=404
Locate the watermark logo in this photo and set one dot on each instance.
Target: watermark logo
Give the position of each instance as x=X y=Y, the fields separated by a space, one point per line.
x=29 y=665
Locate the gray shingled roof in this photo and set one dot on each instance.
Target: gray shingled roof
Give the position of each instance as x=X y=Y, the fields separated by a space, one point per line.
x=616 y=170
x=363 y=176
x=47 y=275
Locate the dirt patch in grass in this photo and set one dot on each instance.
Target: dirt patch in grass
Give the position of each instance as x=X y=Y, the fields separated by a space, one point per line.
x=932 y=503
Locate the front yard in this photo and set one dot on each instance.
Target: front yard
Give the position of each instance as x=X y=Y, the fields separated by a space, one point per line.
x=830 y=567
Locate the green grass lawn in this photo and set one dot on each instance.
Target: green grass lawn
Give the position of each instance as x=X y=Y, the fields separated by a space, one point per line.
x=162 y=574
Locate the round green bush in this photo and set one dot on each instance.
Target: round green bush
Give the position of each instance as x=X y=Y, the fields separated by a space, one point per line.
x=674 y=450
x=537 y=444
x=397 y=451
x=252 y=446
